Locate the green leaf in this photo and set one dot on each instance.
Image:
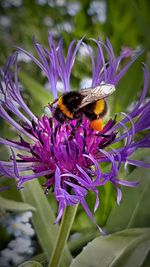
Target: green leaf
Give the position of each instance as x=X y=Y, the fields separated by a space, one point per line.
x=5 y=237
x=12 y=193
x=41 y=258
x=127 y=248
x=142 y=154
x=43 y=219
x=39 y=94
x=12 y=205
x=129 y=87
x=30 y=264
x=134 y=210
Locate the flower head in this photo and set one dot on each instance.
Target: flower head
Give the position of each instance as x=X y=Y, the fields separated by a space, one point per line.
x=70 y=155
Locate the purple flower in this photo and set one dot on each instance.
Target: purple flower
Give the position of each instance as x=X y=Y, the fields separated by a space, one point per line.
x=71 y=165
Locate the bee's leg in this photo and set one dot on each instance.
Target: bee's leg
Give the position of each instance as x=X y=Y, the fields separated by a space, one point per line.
x=111 y=125
x=105 y=135
x=75 y=128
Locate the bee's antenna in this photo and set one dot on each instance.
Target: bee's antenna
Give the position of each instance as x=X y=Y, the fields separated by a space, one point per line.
x=51 y=104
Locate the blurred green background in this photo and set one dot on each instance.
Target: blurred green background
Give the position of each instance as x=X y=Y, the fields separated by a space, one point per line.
x=126 y=24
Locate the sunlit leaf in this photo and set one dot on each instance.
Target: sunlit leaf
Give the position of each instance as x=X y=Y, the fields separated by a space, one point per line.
x=36 y=90
x=134 y=210
x=43 y=219
x=127 y=248
x=12 y=205
x=30 y=264
x=41 y=258
x=130 y=85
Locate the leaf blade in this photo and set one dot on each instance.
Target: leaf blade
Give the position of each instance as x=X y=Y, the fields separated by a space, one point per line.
x=114 y=250
x=12 y=205
x=134 y=210
x=43 y=219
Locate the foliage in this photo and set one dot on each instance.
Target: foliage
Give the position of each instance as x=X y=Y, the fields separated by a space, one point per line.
x=127 y=23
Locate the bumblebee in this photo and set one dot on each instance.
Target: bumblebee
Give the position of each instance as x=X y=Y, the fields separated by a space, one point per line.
x=88 y=102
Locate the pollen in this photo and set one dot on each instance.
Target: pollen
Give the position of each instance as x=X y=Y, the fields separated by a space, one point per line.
x=97 y=124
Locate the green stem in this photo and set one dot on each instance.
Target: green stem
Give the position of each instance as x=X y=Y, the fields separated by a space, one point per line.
x=63 y=234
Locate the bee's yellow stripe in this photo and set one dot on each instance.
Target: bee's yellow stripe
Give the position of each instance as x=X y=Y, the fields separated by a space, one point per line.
x=64 y=109
x=99 y=106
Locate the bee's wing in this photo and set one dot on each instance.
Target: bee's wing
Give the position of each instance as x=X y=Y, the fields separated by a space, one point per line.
x=91 y=95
